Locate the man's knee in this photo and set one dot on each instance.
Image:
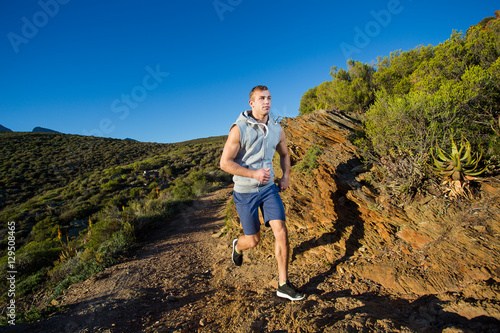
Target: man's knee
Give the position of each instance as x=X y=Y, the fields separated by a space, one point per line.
x=279 y=230
x=253 y=240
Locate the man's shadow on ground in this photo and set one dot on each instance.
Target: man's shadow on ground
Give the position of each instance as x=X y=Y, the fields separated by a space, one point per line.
x=348 y=217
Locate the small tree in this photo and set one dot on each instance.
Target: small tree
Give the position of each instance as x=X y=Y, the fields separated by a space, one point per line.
x=351 y=90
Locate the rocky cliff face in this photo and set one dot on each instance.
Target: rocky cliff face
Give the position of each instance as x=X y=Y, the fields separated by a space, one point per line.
x=428 y=246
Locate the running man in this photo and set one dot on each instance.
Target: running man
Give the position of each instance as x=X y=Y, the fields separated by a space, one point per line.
x=248 y=155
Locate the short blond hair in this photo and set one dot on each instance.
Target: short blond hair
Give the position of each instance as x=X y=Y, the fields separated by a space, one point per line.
x=257 y=88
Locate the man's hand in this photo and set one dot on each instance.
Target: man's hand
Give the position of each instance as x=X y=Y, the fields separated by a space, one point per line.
x=283 y=183
x=262 y=175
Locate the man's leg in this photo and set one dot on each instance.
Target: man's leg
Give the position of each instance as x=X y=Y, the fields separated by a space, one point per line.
x=246 y=242
x=247 y=205
x=281 y=248
x=285 y=288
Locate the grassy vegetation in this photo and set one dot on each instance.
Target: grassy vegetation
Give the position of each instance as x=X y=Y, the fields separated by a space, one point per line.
x=79 y=202
x=310 y=160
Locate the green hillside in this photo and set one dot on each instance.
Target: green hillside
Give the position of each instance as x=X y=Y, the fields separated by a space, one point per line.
x=78 y=202
x=32 y=163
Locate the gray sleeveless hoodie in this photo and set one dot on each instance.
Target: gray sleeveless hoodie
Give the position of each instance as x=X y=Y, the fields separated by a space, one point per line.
x=257 y=149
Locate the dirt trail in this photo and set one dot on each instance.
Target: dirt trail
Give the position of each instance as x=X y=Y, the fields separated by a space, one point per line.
x=162 y=287
x=182 y=280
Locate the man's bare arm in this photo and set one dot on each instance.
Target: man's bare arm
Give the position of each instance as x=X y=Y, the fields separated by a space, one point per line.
x=282 y=150
x=229 y=153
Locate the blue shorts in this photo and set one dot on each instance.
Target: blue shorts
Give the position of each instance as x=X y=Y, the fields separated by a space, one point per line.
x=247 y=205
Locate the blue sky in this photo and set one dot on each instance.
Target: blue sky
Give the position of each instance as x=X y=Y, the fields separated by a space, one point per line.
x=169 y=71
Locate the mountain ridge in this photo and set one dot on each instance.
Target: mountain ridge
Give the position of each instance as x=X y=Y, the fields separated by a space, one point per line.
x=44 y=130
x=4 y=129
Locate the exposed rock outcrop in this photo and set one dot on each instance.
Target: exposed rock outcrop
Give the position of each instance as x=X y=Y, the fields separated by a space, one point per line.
x=428 y=246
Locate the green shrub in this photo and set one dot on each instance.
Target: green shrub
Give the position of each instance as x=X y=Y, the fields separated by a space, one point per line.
x=114 y=171
x=393 y=72
x=79 y=212
x=32 y=283
x=80 y=272
x=117 y=244
x=408 y=124
x=111 y=185
x=398 y=125
x=97 y=199
x=37 y=255
x=310 y=160
x=62 y=269
x=45 y=229
x=231 y=219
x=118 y=201
x=310 y=101
x=352 y=90
x=135 y=192
x=149 y=210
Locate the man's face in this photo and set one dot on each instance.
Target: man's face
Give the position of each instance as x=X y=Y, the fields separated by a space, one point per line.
x=261 y=103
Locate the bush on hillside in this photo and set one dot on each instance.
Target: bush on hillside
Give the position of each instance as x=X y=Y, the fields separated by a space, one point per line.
x=421 y=97
x=351 y=90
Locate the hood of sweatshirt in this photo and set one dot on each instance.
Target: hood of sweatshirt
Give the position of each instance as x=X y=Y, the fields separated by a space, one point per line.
x=246 y=117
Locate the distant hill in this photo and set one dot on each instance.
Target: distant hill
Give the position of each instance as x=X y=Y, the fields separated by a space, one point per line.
x=4 y=129
x=52 y=160
x=54 y=185
x=43 y=130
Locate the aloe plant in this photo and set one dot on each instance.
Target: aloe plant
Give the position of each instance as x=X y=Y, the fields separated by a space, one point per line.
x=458 y=167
